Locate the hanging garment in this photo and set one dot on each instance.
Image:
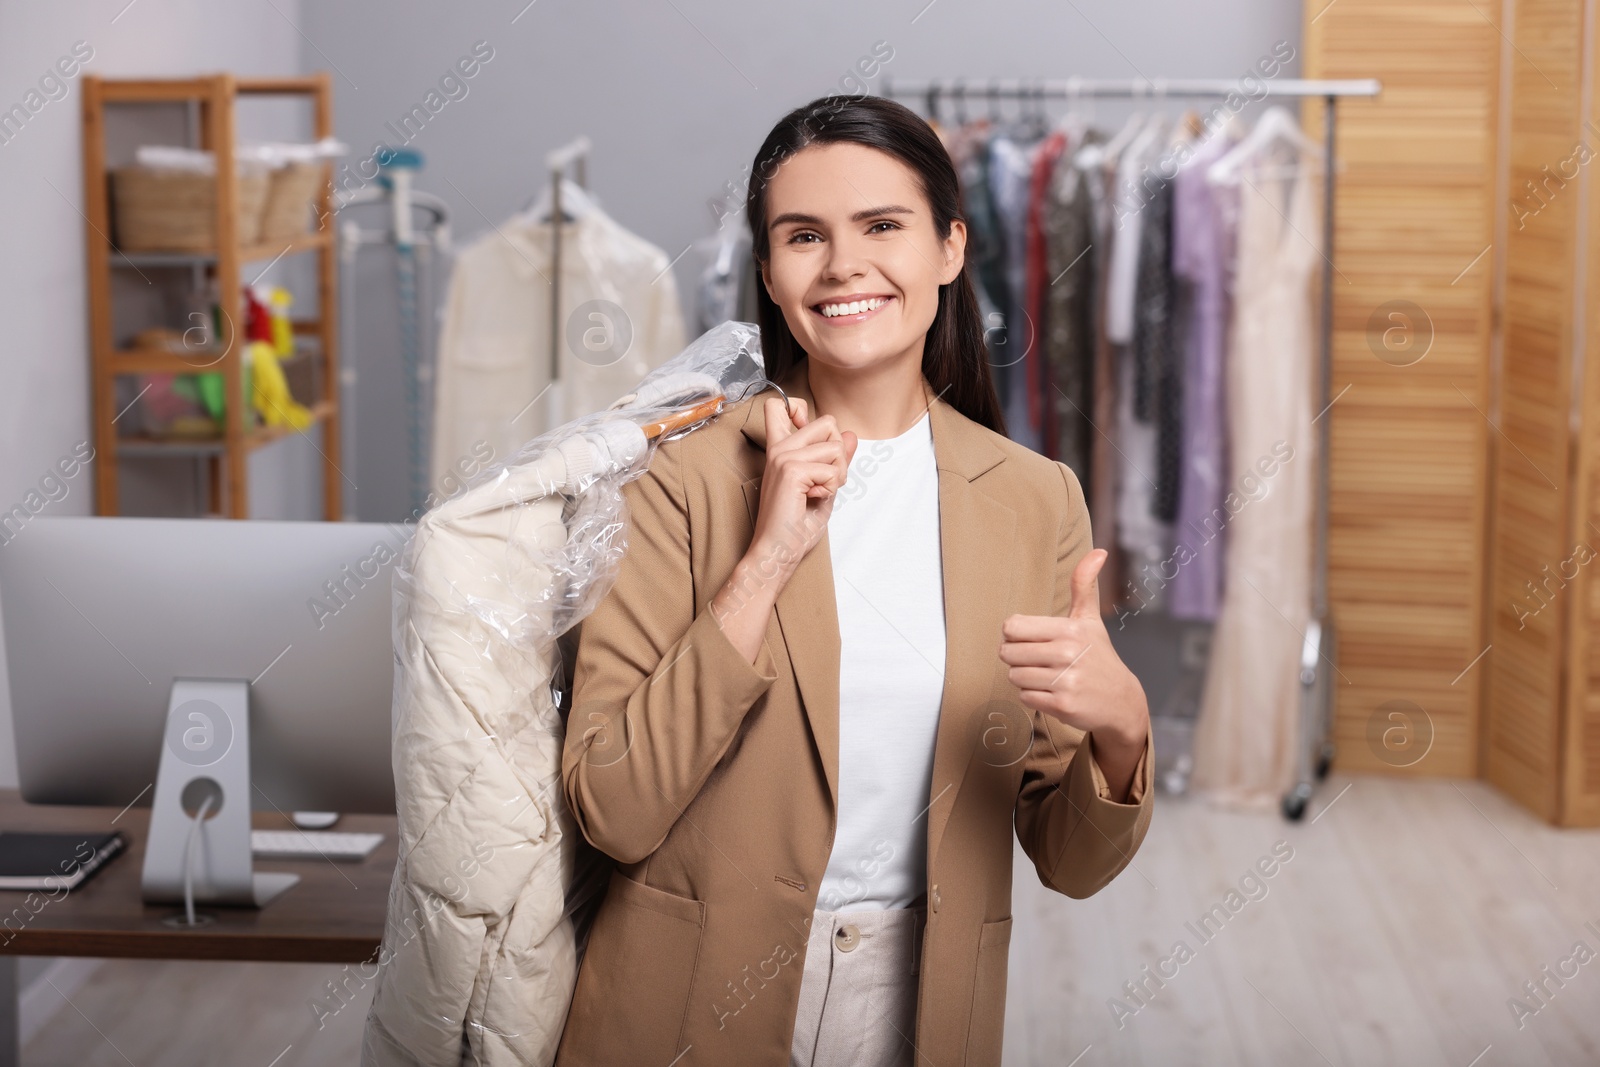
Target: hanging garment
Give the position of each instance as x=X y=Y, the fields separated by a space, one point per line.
x=494 y=347
x=1144 y=538
x=1202 y=260
x=491 y=898
x=1247 y=733
x=1074 y=263
x=1127 y=217
x=1041 y=382
x=726 y=290
x=1152 y=301
x=986 y=250
x=1010 y=174
x=1157 y=384
x=962 y=141
x=1105 y=463
x=1142 y=535
x=749 y=287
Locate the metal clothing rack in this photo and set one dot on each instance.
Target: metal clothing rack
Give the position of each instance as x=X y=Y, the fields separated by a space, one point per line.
x=1318 y=650
x=574 y=154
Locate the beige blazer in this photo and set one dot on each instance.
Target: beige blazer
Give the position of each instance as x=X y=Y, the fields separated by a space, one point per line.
x=714 y=781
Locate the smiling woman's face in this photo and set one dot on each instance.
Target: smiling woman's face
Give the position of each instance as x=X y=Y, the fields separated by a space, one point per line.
x=855 y=263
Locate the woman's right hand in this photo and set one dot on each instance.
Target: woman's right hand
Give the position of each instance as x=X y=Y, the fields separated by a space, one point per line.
x=808 y=461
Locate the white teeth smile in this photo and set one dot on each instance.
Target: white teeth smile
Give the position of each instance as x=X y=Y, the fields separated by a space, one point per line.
x=855 y=307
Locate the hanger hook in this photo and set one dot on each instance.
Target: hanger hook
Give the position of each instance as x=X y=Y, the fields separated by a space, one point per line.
x=761 y=381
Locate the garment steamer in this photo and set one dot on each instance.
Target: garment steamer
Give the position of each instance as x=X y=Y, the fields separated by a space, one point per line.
x=412 y=243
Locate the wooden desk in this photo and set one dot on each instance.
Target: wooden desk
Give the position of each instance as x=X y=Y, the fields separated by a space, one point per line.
x=334 y=915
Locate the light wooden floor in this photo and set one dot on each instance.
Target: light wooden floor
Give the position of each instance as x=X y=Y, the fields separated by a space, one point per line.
x=189 y=1013
x=1408 y=916
x=1410 y=913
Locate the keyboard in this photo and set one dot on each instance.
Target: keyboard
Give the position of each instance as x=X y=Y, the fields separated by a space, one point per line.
x=313 y=844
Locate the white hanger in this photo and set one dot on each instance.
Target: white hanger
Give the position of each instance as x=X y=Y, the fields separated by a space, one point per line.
x=1075 y=125
x=1231 y=129
x=1095 y=154
x=576 y=202
x=1149 y=135
x=1276 y=124
x=1073 y=122
x=1225 y=133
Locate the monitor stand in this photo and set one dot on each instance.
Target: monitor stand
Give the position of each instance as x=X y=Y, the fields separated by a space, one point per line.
x=205 y=756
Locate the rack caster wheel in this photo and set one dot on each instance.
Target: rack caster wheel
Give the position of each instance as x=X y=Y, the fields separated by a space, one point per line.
x=1324 y=760
x=1295 y=802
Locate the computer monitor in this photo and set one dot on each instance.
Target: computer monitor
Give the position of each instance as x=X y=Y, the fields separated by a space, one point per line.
x=101 y=614
x=106 y=620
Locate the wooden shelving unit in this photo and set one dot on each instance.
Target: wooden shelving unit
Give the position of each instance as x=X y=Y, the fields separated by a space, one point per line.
x=227 y=454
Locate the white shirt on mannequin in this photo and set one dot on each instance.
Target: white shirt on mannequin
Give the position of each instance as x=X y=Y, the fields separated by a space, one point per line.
x=888 y=575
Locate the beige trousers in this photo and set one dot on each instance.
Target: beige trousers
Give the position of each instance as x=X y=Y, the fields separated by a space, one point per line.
x=858 y=995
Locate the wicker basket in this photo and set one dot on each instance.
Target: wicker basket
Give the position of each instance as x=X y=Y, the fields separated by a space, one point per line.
x=158 y=210
x=290 y=197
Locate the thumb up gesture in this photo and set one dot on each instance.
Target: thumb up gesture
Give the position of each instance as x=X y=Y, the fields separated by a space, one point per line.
x=1066 y=668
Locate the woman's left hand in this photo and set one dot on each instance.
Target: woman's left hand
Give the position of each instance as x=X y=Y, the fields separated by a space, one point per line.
x=1066 y=668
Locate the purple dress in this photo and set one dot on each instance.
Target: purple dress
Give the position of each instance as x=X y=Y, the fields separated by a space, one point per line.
x=1202 y=260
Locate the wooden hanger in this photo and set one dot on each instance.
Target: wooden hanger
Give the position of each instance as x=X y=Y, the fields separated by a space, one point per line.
x=679 y=419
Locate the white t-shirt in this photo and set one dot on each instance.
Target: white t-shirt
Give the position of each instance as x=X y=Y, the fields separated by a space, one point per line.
x=888 y=577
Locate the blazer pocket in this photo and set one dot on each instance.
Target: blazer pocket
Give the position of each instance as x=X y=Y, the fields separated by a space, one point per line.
x=987 y=1025
x=632 y=993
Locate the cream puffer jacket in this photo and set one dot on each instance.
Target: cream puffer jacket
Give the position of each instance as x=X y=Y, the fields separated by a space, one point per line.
x=495 y=883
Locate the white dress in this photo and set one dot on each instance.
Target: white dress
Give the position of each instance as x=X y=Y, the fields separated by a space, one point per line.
x=1247 y=735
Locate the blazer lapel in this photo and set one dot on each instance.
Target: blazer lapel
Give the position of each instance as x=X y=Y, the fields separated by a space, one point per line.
x=977 y=540
x=977 y=543
x=807 y=613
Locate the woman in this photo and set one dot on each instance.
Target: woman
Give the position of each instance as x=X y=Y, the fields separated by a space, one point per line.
x=854 y=638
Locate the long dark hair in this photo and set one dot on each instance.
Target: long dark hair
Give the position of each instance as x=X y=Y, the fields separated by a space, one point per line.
x=954 y=358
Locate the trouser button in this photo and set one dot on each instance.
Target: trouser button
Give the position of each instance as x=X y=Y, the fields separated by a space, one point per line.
x=847 y=937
